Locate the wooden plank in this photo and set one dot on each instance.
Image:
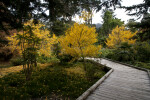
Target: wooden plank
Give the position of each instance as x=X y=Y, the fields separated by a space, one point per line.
x=129 y=85
x=116 y=95
x=128 y=81
x=118 y=89
x=125 y=86
x=122 y=94
x=97 y=98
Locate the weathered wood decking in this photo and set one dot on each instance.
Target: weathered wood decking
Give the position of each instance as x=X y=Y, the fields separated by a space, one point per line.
x=125 y=83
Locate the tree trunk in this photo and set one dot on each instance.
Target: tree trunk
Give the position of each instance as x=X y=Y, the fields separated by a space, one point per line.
x=84 y=63
x=51 y=7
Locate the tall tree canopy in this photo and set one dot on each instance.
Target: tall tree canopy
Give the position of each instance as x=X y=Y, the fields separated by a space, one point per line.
x=109 y=22
x=79 y=41
x=15 y=12
x=140 y=10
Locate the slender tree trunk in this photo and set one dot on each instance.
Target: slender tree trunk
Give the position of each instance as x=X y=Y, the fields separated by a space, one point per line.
x=84 y=64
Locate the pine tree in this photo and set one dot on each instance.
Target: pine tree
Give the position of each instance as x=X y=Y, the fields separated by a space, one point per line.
x=140 y=10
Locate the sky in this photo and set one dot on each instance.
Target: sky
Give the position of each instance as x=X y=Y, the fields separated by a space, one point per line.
x=120 y=13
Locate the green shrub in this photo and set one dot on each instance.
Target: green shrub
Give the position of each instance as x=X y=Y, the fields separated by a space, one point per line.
x=122 y=53
x=143 y=65
x=16 y=61
x=65 y=58
x=106 y=53
x=123 y=56
x=43 y=59
x=142 y=51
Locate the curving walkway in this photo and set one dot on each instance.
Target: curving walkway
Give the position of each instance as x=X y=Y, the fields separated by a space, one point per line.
x=124 y=83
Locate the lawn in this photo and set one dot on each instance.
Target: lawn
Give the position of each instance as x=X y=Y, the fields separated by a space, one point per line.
x=54 y=81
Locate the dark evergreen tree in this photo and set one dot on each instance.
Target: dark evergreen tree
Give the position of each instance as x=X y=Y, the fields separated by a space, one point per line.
x=139 y=11
x=14 y=12
x=108 y=4
x=109 y=22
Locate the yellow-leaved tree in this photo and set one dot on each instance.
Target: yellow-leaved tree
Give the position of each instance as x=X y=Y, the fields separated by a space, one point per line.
x=33 y=40
x=120 y=35
x=79 y=40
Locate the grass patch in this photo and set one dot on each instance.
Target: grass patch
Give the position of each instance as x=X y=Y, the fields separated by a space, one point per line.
x=145 y=65
x=53 y=81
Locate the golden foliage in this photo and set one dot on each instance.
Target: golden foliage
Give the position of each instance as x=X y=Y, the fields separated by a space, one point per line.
x=79 y=41
x=38 y=36
x=119 y=35
x=75 y=70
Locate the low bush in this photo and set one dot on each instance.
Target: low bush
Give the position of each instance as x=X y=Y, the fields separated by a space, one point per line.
x=137 y=54
x=142 y=64
x=142 y=51
x=16 y=61
x=42 y=59
x=106 y=53
x=64 y=59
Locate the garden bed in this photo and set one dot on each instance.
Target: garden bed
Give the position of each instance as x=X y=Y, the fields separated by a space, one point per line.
x=55 y=81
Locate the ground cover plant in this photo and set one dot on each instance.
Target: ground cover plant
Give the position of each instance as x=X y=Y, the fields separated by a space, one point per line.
x=51 y=81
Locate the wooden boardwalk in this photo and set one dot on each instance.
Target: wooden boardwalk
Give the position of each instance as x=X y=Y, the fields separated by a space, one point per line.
x=124 y=83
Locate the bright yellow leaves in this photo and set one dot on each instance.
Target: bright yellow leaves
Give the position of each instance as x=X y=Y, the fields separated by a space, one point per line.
x=119 y=35
x=33 y=36
x=79 y=41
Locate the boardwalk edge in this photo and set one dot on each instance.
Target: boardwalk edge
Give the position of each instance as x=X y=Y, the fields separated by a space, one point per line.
x=93 y=87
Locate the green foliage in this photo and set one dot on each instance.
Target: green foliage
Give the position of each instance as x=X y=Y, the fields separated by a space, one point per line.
x=44 y=82
x=92 y=71
x=131 y=25
x=142 y=64
x=143 y=26
x=141 y=10
x=101 y=40
x=43 y=59
x=136 y=54
x=65 y=58
x=109 y=22
x=123 y=52
x=106 y=53
x=16 y=61
x=142 y=51
x=59 y=27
